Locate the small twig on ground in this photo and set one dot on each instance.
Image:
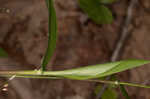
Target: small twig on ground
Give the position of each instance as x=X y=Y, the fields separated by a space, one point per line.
x=121 y=42
x=6 y=82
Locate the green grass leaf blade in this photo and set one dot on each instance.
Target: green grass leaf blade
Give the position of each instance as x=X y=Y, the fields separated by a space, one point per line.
x=97 y=12
x=3 y=53
x=77 y=73
x=52 y=34
x=100 y=70
x=125 y=65
x=84 y=73
x=36 y=75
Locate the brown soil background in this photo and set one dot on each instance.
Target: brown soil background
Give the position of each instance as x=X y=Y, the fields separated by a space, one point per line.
x=81 y=42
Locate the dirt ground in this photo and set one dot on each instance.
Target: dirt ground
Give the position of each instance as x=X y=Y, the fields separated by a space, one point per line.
x=81 y=42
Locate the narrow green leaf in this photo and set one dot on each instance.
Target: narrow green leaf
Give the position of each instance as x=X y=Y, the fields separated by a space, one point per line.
x=107 y=1
x=16 y=74
x=98 y=13
x=78 y=73
x=3 y=53
x=52 y=34
x=98 y=71
x=125 y=65
x=83 y=73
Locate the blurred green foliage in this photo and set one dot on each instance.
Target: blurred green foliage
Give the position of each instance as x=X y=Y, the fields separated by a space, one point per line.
x=97 y=11
x=3 y=53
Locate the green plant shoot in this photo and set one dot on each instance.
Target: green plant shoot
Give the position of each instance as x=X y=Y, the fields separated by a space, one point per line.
x=52 y=31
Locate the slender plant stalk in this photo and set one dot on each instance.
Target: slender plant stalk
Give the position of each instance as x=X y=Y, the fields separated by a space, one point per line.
x=32 y=76
x=52 y=34
x=6 y=82
x=44 y=63
x=119 y=83
x=35 y=74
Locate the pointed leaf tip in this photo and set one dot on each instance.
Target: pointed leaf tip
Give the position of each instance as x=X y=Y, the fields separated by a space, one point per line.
x=125 y=65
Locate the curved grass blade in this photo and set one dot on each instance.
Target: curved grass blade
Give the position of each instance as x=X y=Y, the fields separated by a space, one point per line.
x=97 y=12
x=125 y=65
x=52 y=77
x=52 y=34
x=84 y=73
x=97 y=71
